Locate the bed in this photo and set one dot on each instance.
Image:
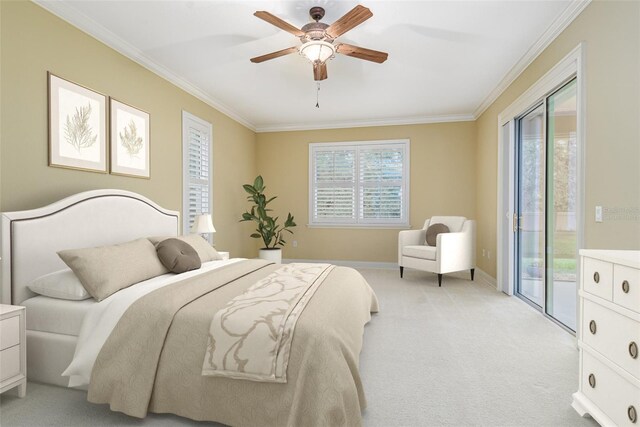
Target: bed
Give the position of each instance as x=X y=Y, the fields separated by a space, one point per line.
x=318 y=382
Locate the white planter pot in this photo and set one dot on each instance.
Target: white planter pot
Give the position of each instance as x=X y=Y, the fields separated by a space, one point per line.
x=274 y=255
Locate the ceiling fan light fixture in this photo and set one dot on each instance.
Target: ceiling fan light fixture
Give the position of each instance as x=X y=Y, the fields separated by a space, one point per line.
x=317 y=51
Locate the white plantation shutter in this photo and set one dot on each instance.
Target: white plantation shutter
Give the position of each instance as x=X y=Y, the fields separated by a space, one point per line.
x=335 y=185
x=362 y=183
x=196 y=134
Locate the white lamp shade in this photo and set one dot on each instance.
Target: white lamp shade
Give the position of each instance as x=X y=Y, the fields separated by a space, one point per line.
x=203 y=224
x=317 y=50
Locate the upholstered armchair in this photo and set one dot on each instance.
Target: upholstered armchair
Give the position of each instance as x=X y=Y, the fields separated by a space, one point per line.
x=454 y=250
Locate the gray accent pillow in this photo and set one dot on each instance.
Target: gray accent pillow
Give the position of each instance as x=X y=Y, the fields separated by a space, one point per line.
x=205 y=251
x=433 y=231
x=105 y=270
x=178 y=256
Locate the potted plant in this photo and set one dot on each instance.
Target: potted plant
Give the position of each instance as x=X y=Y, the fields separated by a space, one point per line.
x=268 y=228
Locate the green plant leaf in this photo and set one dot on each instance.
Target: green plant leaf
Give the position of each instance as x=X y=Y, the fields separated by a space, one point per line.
x=256 y=236
x=259 y=183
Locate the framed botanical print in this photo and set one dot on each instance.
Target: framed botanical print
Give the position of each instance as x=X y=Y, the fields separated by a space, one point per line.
x=129 y=140
x=77 y=126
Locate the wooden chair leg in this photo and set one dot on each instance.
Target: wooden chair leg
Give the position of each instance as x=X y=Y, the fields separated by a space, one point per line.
x=439 y=279
x=401 y=271
x=473 y=270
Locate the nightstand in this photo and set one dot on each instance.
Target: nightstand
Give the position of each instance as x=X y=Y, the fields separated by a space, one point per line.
x=224 y=255
x=13 y=349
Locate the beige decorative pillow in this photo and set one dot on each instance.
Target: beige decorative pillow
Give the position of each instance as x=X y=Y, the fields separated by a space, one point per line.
x=433 y=231
x=107 y=269
x=178 y=256
x=205 y=251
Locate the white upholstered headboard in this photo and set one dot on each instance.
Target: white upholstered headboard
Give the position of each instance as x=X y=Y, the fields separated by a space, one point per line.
x=32 y=238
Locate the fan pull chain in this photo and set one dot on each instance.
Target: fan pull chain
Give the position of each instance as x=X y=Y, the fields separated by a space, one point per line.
x=318 y=95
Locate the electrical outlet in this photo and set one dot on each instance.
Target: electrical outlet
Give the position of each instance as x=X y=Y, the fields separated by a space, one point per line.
x=489 y=254
x=295 y=243
x=484 y=253
x=598 y=213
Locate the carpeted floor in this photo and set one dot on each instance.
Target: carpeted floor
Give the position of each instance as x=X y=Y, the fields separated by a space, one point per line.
x=459 y=355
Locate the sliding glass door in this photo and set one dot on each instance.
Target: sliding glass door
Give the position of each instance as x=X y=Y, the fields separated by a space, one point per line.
x=531 y=206
x=545 y=218
x=561 y=235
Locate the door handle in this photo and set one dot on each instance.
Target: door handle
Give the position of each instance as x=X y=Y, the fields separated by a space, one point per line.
x=517 y=222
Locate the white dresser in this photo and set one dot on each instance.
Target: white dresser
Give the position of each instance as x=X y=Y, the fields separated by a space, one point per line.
x=609 y=337
x=13 y=349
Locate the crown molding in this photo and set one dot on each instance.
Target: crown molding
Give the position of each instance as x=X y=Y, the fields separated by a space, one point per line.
x=366 y=123
x=570 y=13
x=81 y=21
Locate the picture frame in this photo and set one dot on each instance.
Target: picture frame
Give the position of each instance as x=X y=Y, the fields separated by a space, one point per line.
x=130 y=144
x=77 y=126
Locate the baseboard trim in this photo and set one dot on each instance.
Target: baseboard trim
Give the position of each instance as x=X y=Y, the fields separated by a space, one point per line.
x=347 y=263
x=486 y=278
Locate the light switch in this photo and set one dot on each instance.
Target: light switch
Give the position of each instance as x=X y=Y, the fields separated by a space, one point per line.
x=598 y=213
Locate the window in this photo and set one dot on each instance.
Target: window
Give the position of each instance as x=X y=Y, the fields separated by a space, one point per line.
x=196 y=161
x=359 y=183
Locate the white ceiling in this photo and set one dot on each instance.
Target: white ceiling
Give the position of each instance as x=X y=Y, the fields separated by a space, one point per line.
x=446 y=58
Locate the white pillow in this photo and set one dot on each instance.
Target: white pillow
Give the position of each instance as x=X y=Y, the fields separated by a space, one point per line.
x=63 y=284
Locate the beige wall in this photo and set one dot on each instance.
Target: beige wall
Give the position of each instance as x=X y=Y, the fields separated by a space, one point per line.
x=611 y=30
x=33 y=41
x=443 y=171
x=453 y=165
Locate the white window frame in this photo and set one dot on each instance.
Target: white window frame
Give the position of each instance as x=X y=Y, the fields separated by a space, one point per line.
x=357 y=222
x=190 y=121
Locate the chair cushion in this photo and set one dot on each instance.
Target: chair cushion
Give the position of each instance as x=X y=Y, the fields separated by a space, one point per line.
x=454 y=223
x=433 y=231
x=420 y=251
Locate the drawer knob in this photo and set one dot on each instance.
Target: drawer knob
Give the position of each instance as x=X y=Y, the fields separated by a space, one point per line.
x=593 y=327
x=596 y=277
x=592 y=380
x=633 y=350
x=625 y=286
x=631 y=413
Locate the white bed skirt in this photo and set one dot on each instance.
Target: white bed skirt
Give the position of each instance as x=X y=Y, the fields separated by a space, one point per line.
x=48 y=355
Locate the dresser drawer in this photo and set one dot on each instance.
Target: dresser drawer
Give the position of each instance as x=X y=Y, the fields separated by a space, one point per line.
x=9 y=362
x=626 y=287
x=614 y=395
x=597 y=277
x=613 y=335
x=9 y=332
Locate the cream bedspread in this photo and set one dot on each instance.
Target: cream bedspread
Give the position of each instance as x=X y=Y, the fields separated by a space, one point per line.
x=152 y=360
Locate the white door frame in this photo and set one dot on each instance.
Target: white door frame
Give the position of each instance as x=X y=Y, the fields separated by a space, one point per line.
x=572 y=65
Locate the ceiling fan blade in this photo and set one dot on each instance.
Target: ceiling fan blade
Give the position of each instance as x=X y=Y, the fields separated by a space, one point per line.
x=273 y=55
x=351 y=19
x=274 y=20
x=362 y=53
x=320 y=71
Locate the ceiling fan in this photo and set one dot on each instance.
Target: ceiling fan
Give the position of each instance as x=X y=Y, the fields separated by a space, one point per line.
x=319 y=39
